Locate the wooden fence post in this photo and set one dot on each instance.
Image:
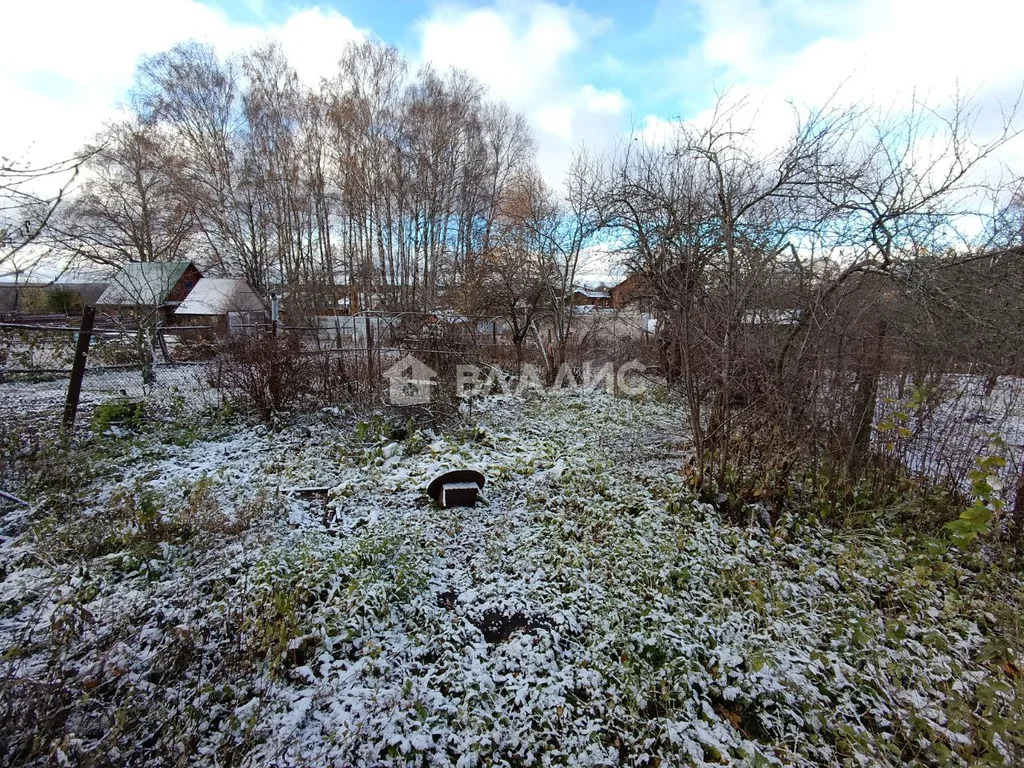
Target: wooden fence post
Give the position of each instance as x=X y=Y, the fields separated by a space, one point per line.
x=369 y=352
x=78 y=370
x=865 y=403
x=162 y=341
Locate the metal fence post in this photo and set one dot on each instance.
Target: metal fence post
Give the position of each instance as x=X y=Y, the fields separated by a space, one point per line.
x=78 y=370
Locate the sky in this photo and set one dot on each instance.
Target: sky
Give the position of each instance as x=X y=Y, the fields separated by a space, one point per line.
x=588 y=72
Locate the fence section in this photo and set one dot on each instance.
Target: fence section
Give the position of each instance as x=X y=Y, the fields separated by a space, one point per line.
x=933 y=424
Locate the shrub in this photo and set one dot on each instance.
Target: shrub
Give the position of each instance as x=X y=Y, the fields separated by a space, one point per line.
x=113 y=352
x=268 y=373
x=63 y=301
x=194 y=350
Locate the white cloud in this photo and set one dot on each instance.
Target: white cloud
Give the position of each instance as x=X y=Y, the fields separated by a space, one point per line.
x=880 y=53
x=605 y=102
x=65 y=64
x=313 y=40
x=736 y=33
x=879 y=50
x=655 y=130
x=64 y=79
x=555 y=120
x=524 y=53
x=515 y=50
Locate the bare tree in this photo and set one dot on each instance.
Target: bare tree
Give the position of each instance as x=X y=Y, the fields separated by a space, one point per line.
x=898 y=190
x=197 y=97
x=564 y=231
x=378 y=184
x=708 y=220
x=129 y=209
x=513 y=279
x=30 y=196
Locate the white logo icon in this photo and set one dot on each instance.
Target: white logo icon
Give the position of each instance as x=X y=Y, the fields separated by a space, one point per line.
x=411 y=381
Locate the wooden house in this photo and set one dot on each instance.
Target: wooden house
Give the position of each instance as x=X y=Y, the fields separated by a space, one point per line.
x=224 y=304
x=635 y=289
x=598 y=299
x=147 y=288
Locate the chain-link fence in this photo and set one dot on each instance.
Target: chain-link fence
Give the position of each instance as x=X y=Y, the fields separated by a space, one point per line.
x=36 y=366
x=36 y=362
x=304 y=363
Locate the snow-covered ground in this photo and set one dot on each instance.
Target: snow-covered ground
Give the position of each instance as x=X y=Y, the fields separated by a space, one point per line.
x=186 y=598
x=23 y=395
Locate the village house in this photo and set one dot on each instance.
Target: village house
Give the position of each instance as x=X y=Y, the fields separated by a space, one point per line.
x=634 y=289
x=48 y=298
x=144 y=289
x=225 y=305
x=596 y=299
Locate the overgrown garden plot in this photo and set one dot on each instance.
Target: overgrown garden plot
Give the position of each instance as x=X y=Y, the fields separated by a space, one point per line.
x=182 y=595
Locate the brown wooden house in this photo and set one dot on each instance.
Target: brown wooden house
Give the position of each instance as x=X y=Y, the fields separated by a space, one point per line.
x=634 y=289
x=146 y=288
x=583 y=297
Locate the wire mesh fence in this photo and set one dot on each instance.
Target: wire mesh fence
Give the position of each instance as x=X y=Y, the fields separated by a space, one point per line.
x=935 y=427
x=36 y=365
x=312 y=362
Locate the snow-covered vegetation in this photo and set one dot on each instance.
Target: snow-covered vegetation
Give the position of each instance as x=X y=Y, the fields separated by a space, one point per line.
x=187 y=594
x=802 y=547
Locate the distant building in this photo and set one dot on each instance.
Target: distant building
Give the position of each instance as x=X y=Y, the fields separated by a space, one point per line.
x=598 y=299
x=48 y=298
x=144 y=287
x=634 y=289
x=225 y=304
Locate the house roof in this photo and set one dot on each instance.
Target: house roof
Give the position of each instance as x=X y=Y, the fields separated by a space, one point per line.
x=143 y=283
x=633 y=282
x=218 y=296
x=593 y=294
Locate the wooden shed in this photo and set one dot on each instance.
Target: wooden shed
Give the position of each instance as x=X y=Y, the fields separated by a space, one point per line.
x=225 y=304
x=583 y=297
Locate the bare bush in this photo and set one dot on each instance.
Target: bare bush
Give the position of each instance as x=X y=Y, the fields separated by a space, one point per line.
x=796 y=286
x=268 y=373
